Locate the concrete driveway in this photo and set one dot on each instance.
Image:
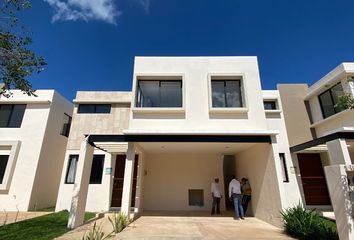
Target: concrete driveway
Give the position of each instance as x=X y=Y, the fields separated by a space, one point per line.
x=199 y=227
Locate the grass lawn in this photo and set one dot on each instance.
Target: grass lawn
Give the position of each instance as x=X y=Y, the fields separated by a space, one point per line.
x=40 y=228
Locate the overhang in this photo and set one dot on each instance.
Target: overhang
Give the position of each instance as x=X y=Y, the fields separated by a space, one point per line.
x=322 y=140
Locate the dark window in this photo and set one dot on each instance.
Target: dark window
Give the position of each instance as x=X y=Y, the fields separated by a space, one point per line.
x=329 y=99
x=284 y=168
x=159 y=93
x=11 y=115
x=71 y=170
x=270 y=105
x=66 y=125
x=94 y=108
x=196 y=197
x=226 y=93
x=97 y=169
x=3 y=163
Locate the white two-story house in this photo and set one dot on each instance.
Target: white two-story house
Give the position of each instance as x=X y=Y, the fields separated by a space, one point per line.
x=189 y=120
x=33 y=137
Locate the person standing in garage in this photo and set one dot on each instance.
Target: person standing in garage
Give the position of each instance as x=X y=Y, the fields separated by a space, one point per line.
x=216 y=194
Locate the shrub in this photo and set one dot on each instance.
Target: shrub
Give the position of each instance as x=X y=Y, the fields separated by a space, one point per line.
x=96 y=233
x=119 y=222
x=307 y=224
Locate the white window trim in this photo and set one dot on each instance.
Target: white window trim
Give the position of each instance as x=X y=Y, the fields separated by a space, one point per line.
x=277 y=105
x=10 y=168
x=231 y=76
x=159 y=76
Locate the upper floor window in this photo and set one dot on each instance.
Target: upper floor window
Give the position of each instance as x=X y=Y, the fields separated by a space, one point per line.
x=11 y=115
x=226 y=93
x=66 y=125
x=329 y=99
x=159 y=93
x=94 y=108
x=270 y=104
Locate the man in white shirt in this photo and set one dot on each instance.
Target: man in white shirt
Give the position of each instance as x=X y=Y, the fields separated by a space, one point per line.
x=235 y=196
x=216 y=194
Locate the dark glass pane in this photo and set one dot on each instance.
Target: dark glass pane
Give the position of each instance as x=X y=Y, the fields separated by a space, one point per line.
x=86 y=108
x=171 y=94
x=233 y=94
x=284 y=168
x=5 y=113
x=148 y=94
x=218 y=94
x=71 y=170
x=269 y=105
x=3 y=163
x=17 y=115
x=97 y=169
x=326 y=104
x=103 y=108
x=337 y=91
x=66 y=125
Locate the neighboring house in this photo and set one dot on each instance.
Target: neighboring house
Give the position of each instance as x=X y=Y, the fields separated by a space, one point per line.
x=321 y=136
x=33 y=138
x=320 y=133
x=187 y=121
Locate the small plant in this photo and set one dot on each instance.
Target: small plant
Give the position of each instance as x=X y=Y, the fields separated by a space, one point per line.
x=119 y=222
x=306 y=224
x=345 y=101
x=96 y=233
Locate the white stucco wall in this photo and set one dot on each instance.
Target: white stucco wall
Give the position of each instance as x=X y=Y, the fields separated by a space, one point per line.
x=99 y=195
x=32 y=134
x=258 y=165
x=195 y=116
x=169 y=176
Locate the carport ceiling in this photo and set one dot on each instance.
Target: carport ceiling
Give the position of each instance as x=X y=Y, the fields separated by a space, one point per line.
x=194 y=148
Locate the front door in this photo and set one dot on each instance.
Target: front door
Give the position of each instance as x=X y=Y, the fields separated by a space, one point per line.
x=118 y=180
x=313 y=179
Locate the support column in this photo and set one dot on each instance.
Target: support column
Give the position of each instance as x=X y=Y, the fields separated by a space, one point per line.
x=338 y=152
x=82 y=178
x=128 y=179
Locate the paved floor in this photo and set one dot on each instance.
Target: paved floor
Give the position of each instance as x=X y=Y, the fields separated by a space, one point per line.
x=11 y=217
x=154 y=227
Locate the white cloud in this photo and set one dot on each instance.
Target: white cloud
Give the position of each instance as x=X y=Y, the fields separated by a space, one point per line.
x=145 y=5
x=104 y=10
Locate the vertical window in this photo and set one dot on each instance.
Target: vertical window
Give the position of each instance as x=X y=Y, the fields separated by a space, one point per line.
x=97 y=169
x=11 y=115
x=329 y=99
x=3 y=163
x=159 y=93
x=283 y=167
x=94 y=108
x=270 y=105
x=71 y=170
x=226 y=93
x=66 y=125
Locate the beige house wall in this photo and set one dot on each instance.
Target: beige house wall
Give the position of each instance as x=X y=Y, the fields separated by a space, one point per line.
x=169 y=176
x=112 y=123
x=295 y=115
x=257 y=163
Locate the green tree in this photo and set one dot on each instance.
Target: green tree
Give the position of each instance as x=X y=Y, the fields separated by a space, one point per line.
x=17 y=60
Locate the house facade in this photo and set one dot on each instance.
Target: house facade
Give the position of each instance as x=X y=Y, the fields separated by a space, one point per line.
x=187 y=121
x=33 y=138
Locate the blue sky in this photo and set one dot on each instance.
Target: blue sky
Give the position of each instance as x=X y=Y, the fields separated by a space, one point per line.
x=91 y=44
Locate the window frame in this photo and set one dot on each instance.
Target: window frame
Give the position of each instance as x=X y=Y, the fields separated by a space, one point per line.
x=228 y=76
x=11 y=148
x=283 y=164
x=70 y=157
x=274 y=101
x=158 y=77
x=11 y=114
x=67 y=132
x=95 y=108
x=103 y=161
x=332 y=100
